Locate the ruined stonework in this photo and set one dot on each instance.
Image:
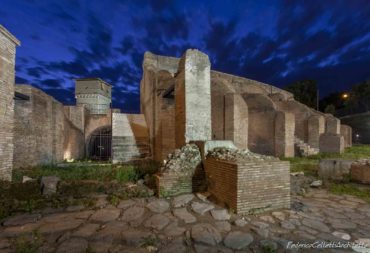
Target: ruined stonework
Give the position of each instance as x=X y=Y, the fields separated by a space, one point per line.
x=129 y=138
x=193 y=98
x=249 y=186
x=284 y=134
x=8 y=45
x=346 y=132
x=331 y=143
x=316 y=127
x=178 y=175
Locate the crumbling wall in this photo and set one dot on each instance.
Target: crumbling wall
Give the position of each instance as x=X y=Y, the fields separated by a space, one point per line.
x=8 y=45
x=44 y=133
x=76 y=114
x=158 y=78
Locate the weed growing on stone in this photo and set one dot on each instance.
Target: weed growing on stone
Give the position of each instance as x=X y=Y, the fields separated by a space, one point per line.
x=148 y=241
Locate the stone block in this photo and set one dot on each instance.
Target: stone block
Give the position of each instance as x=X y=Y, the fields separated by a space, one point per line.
x=346 y=132
x=334 y=169
x=331 y=143
x=360 y=173
x=332 y=125
x=206 y=146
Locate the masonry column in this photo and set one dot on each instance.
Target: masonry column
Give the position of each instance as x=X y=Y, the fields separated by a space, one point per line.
x=284 y=134
x=8 y=45
x=236 y=120
x=316 y=126
x=193 y=98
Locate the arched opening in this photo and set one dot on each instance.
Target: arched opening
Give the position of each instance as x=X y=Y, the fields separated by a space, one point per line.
x=100 y=144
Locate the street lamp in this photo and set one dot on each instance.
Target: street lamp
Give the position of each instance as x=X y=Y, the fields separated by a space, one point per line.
x=345 y=95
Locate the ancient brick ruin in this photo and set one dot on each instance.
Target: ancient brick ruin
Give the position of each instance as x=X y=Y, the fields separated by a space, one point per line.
x=187 y=112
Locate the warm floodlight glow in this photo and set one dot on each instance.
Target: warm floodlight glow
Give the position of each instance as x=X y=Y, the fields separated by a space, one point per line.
x=345 y=95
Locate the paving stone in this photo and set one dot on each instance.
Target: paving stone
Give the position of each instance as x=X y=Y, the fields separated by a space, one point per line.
x=240 y=222
x=157 y=221
x=110 y=232
x=73 y=245
x=124 y=204
x=315 y=224
x=184 y=215
x=86 y=230
x=105 y=215
x=341 y=235
x=267 y=218
x=75 y=208
x=182 y=200
x=363 y=242
x=203 y=196
x=287 y=225
x=238 y=240
x=200 y=248
x=158 y=206
x=101 y=246
x=304 y=235
x=221 y=214
x=309 y=230
x=4 y=243
x=259 y=224
x=19 y=230
x=201 y=208
x=205 y=233
x=175 y=246
x=134 y=237
x=263 y=232
x=61 y=226
x=21 y=219
x=342 y=224
x=133 y=213
x=126 y=249
x=269 y=244
x=174 y=230
x=223 y=226
x=278 y=215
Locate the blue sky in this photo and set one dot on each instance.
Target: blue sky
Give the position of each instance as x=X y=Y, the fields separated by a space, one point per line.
x=276 y=42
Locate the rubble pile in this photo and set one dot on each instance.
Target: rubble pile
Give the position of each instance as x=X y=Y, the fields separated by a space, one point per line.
x=230 y=154
x=183 y=161
x=365 y=161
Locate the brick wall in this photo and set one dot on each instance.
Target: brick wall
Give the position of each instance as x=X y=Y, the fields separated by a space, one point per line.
x=44 y=134
x=8 y=45
x=249 y=186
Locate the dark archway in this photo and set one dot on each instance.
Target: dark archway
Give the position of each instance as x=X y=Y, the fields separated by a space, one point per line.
x=100 y=144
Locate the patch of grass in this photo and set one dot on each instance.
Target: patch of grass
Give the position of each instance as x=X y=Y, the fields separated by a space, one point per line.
x=113 y=199
x=150 y=240
x=350 y=189
x=126 y=174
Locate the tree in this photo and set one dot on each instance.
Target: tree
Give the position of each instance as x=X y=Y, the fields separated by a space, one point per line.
x=304 y=91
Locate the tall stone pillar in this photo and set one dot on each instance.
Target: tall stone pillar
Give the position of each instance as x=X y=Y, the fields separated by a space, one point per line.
x=316 y=126
x=193 y=98
x=332 y=125
x=236 y=120
x=8 y=45
x=284 y=134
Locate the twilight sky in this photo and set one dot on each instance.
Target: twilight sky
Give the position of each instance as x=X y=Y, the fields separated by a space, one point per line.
x=276 y=42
